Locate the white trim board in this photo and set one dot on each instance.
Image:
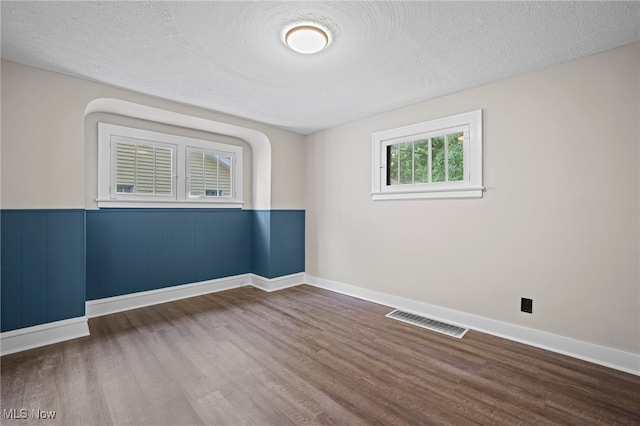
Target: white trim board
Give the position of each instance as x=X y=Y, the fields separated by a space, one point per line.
x=111 y=305
x=279 y=283
x=41 y=335
x=608 y=357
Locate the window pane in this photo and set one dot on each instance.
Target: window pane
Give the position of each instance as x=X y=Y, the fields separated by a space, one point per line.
x=437 y=159
x=209 y=174
x=392 y=164
x=406 y=163
x=421 y=161
x=125 y=167
x=145 y=169
x=196 y=174
x=164 y=178
x=455 y=153
x=224 y=176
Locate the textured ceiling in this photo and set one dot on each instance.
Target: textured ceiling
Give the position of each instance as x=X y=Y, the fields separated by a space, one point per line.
x=230 y=56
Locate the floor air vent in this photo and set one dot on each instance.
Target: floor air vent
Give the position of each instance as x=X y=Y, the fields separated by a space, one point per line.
x=440 y=327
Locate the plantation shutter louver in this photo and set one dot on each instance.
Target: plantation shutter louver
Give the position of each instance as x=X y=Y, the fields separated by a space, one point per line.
x=209 y=174
x=125 y=167
x=164 y=178
x=196 y=174
x=144 y=169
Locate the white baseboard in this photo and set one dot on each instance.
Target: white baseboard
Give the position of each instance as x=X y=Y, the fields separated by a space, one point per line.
x=42 y=335
x=608 y=357
x=111 y=305
x=273 y=284
x=45 y=334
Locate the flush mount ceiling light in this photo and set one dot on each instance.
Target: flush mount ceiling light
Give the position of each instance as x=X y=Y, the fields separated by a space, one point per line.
x=306 y=39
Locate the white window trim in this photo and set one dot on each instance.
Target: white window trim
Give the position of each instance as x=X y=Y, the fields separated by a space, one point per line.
x=106 y=165
x=470 y=187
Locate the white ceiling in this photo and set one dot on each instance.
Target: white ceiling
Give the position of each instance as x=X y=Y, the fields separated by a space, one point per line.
x=230 y=56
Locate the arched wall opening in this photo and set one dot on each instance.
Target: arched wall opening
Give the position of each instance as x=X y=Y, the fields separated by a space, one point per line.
x=259 y=142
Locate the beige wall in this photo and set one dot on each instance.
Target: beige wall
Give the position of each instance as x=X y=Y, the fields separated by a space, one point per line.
x=559 y=221
x=44 y=163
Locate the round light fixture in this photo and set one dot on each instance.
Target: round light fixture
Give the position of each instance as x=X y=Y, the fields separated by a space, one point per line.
x=306 y=39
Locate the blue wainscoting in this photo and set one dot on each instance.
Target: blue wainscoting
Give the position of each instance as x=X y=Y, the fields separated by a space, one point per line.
x=278 y=242
x=261 y=243
x=133 y=250
x=43 y=269
x=55 y=260
x=287 y=242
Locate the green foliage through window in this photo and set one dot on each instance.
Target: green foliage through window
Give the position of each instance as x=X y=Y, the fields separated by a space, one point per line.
x=436 y=159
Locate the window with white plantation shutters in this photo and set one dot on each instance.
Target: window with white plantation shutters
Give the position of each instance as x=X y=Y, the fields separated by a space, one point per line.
x=143 y=168
x=209 y=174
x=140 y=168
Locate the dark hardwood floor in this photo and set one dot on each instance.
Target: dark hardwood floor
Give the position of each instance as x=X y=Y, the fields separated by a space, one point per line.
x=302 y=356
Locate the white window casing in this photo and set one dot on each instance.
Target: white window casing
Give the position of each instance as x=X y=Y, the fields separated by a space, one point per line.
x=141 y=168
x=431 y=137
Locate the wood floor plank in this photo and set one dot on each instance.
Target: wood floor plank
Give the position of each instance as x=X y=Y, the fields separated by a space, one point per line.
x=303 y=356
x=78 y=382
x=215 y=409
x=307 y=392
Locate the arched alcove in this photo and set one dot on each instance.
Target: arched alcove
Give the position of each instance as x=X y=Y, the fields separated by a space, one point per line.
x=259 y=142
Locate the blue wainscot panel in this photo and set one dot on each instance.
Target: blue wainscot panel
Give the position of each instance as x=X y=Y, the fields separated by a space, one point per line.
x=287 y=242
x=261 y=243
x=278 y=242
x=43 y=267
x=55 y=260
x=133 y=250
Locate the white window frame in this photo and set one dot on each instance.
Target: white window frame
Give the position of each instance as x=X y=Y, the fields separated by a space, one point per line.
x=470 y=123
x=108 y=197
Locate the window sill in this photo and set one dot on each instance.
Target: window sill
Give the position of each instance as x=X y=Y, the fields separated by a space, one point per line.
x=415 y=195
x=169 y=204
